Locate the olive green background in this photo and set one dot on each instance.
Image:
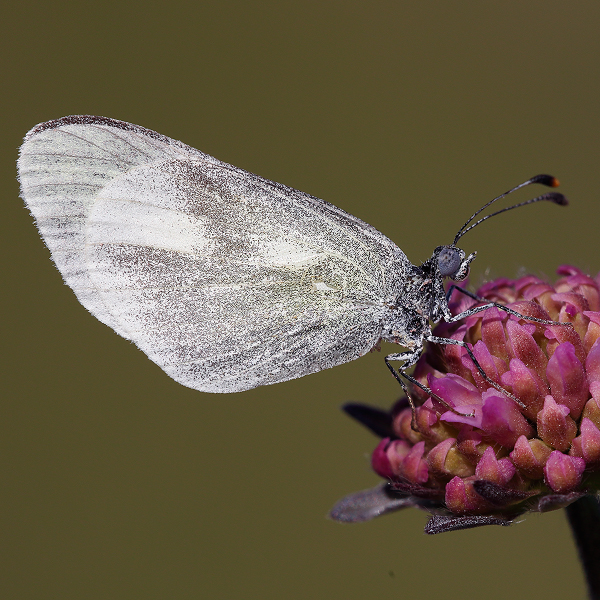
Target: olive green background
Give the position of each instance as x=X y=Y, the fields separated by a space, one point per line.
x=118 y=483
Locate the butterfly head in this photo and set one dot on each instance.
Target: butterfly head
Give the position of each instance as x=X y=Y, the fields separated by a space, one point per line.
x=452 y=262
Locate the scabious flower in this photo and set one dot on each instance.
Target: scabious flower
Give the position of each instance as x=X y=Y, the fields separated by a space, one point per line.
x=479 y=457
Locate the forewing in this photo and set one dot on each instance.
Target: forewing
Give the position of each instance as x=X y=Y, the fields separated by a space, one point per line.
x=224 y=279
x=63 y=165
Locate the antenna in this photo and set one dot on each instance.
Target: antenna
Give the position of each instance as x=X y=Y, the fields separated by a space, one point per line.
x=547 y=180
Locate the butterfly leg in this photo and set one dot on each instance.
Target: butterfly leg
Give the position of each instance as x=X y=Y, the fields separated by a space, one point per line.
x=476 y=309
x=408 y=359
x=488 y=304
x=451 y=342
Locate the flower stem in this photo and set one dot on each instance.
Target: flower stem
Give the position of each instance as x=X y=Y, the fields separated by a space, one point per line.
x=584 y=518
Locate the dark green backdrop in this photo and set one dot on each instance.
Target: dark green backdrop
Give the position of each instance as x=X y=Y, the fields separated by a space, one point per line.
x=117 y=482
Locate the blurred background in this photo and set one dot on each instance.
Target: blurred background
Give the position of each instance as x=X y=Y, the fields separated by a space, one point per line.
x=116 y=482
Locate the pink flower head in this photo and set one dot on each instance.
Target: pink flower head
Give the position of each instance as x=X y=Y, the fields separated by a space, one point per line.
x=479 y=457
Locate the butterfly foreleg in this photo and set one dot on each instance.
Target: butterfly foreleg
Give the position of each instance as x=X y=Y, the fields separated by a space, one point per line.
x=487 y=304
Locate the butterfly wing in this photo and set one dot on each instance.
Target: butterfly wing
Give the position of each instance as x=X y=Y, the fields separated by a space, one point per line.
x=224 y=279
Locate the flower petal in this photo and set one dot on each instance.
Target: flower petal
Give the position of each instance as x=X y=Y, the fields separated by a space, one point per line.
x=563 y=473
x=502 y=420
x=494 y=470
x=568 y=382
x=555 y=426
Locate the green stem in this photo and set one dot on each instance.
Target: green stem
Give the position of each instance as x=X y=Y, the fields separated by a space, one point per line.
x=584 y=518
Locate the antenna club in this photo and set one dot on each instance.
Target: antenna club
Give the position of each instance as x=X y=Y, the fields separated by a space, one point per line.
x=557 y=198
x=548 y=180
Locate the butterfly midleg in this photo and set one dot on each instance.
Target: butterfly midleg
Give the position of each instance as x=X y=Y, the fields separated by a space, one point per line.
x=451 y=342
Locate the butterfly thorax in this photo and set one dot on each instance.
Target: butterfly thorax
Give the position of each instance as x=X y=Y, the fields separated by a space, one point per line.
x=407 y=322
x=422 y=298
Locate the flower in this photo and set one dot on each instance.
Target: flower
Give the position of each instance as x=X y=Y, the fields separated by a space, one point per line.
x=472 y=455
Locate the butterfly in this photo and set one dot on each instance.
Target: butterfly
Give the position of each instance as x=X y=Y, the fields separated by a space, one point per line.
x=227 y=280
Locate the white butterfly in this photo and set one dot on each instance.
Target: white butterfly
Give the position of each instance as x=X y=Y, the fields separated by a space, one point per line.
x=224 y=279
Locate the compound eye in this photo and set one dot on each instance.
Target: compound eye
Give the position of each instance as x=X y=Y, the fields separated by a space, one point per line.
x=449 y=260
